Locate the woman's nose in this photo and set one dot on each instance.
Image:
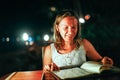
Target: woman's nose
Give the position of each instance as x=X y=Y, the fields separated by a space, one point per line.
x=70 y=30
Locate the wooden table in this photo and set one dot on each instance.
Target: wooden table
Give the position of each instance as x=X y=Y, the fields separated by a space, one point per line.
x=40 y=75
x=24 y=75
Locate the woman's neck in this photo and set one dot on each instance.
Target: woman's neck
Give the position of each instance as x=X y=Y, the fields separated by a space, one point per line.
x=68 y=45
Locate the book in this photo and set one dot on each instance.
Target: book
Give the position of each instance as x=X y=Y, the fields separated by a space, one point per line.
x=87 y=68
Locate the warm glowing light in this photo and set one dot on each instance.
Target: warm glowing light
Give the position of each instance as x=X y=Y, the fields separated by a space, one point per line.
x=31 y=43
x=82 y=20
x=7 y=39
x=53 y=8
x=87 y=17
x=46 y=37
x=26 y=43
x=25 y=36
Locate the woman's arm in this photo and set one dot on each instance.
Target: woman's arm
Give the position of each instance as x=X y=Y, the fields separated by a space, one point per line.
x=94 y=55
x=47 y=56
x=48 y=65
x=91 y=51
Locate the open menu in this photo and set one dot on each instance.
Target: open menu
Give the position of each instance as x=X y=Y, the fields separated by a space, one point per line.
x=87 y=68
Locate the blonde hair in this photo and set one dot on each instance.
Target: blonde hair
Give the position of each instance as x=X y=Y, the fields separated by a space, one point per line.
x=57 y=36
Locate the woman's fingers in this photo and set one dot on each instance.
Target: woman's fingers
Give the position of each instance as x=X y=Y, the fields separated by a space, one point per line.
x=107 y=61
x=51 y=67
x=46 y=68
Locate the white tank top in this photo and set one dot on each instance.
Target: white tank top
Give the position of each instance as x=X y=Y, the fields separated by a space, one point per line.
x=73 y=58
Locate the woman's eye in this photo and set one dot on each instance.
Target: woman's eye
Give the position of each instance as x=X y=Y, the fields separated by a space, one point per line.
x=65 y=27
x=73 y=27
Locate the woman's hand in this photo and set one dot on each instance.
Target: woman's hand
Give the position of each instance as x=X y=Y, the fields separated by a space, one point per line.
x=107 y=61
x=51 y=67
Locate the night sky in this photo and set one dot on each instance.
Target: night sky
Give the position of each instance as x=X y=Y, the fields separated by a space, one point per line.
x=35 y=15
x=18 y=15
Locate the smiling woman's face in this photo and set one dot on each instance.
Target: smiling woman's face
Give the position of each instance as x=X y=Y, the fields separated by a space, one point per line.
x=68 y=28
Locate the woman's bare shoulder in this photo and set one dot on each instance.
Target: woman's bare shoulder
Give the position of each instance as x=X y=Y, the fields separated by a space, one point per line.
x=47 y=48
x=85 y=41
x=86 y=44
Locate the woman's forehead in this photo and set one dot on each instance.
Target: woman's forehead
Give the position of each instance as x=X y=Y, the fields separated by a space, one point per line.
x=69 y=20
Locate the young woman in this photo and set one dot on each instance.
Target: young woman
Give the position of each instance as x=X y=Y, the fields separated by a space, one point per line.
x=69 y=49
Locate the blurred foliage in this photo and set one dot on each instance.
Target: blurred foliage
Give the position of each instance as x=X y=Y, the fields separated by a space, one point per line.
x=105 y=37
x=102 y=32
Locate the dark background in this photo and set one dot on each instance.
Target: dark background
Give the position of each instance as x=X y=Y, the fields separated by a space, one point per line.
x=36 y=17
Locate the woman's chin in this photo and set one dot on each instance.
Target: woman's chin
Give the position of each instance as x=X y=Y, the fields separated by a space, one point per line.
x=69 y=39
